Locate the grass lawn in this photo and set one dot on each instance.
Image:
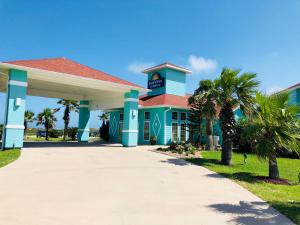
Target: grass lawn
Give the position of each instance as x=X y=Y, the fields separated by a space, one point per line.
x=9 y=156
x=285 y=198
x=33 y=138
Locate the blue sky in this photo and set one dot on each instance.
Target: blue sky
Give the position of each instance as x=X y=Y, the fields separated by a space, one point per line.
x=122 y=37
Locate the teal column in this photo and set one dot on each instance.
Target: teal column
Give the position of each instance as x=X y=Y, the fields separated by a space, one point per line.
x=15 y=109
x=84 y=121
x=130 y=126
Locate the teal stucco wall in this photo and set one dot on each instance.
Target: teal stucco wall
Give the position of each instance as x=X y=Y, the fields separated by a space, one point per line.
x=175 y=82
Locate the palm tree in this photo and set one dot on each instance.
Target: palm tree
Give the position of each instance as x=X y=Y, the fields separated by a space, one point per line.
x=233 y=90
x=47 y=119
x=274 y=126
x=70 y=105
x=205 y=95
x=28 y=118
x=104 y=117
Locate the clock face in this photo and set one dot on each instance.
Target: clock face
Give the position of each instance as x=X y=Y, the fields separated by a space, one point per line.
x=155 y=76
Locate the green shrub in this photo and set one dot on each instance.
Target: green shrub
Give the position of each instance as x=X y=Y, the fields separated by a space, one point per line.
x=180 y=149
x=55 y=133
x=153 y=140
x=191 y=149
x=72 y=133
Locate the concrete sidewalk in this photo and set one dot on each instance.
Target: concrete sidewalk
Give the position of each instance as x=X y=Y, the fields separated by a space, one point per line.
x=111 y=185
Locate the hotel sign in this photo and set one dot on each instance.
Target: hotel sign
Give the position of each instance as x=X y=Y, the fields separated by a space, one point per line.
x=156 y=81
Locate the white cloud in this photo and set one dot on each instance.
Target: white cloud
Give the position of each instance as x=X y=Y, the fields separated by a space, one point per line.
x=273 y=89
x=138 y=67
x=201 y=64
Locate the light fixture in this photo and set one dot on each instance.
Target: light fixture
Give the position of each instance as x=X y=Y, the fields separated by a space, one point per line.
x=18 y=101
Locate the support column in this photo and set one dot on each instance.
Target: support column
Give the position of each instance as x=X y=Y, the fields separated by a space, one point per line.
x=130 y=126
x=84 y=121
x=15 y=109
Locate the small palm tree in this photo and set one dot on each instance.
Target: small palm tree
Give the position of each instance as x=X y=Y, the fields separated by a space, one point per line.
x=205 y=95
x=274 y=126
x=28 y=118
x=70 y=105
x=47 y=119
x=104 y=117
x=232 y=90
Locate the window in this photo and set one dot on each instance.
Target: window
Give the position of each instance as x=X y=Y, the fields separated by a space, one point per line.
x=183 y=132
x=147 y=131
x=183 y=116
x=174 y=131
x=147 y=115
x=174 y=115
x=120 y=130
x=121 y=116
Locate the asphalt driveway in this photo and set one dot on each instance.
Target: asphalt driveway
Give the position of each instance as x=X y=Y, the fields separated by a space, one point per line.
x=111 y=185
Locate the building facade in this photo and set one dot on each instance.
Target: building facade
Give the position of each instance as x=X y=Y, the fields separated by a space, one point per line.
x=163 y=111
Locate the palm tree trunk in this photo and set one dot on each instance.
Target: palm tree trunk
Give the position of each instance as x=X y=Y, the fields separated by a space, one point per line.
x=228 y=131
x=273 y=167
x=209 y=132
x=25 y=129
x=66 y=119
x=47 y=133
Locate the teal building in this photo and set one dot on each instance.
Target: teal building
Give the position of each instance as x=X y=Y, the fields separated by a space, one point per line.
x=294 y=95
x=163 y=111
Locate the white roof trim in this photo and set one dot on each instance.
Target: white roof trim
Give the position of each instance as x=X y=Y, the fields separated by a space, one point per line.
x=48 y=72
x=167 y=65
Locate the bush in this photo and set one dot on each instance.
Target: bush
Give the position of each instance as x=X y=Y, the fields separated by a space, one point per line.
x=55 y=133
x=153 y=140
x=72 y=133
x=173 y=146
x=191 y=149
x=180 y=149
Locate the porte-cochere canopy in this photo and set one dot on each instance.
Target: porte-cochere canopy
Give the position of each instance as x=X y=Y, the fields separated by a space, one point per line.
x=64 y=78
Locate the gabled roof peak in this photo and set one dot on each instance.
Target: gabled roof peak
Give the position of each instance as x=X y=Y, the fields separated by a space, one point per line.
x=167 y=65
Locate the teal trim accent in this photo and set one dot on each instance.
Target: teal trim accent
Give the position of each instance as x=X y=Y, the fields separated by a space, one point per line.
x=130 y=124
x=84 y=121
x=14 y=115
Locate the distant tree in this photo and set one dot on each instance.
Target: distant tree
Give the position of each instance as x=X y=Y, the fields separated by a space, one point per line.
x=28 y=118
x=69 y=105
x=274 y=126
x=205 y=95
x=47 y=119
x=233 y=89
x=104 y=129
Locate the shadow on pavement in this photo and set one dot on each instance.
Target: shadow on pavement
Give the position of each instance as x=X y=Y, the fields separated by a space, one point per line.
x=252 y=213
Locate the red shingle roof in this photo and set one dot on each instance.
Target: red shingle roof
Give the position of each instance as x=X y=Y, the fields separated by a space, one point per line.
x=292 y=87
x=63 y=65
x=164 y=99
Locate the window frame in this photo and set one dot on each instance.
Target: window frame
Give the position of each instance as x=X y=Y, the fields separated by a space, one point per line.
x=172 y=137
x=185 y=114
x=185 y=132
x=148 y=122
x=176 y=116
x=145 y=115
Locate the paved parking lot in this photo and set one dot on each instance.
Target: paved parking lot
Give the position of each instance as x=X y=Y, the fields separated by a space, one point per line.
x=111 y=185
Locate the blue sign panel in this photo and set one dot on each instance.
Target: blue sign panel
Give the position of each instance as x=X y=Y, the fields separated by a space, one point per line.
x=156 y=81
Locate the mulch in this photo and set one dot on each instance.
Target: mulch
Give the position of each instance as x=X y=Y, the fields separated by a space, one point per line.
x=273 y=181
